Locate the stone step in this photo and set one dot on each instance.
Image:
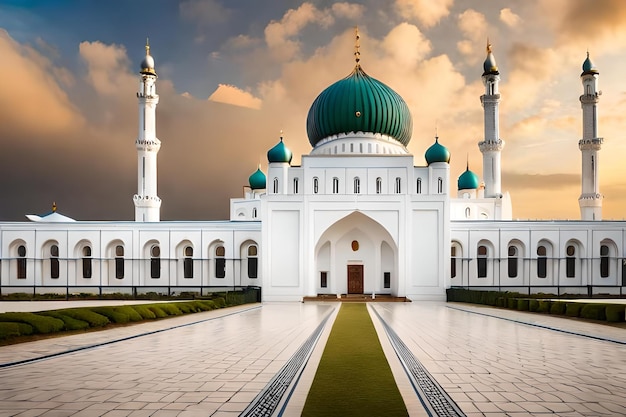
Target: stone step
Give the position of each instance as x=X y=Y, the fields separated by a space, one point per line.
x=359 y=298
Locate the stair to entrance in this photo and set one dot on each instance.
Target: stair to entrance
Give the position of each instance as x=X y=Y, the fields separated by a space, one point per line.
x=357 y=298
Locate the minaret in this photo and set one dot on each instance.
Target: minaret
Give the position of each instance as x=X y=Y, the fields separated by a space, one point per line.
x=590 y=200
x=492 y=145
x=147 y=203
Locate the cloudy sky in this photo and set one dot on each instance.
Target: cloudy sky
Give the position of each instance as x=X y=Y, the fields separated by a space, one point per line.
x=233 y=74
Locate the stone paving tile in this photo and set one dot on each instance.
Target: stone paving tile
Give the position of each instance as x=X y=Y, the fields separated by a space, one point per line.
x=223 y=363
x=494 y=367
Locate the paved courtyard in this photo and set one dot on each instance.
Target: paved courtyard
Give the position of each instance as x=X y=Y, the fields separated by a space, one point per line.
x=489 y=362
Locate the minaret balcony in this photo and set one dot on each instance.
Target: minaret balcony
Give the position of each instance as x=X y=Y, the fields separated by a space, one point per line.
x=590 y=144
x=488 y=145
x=590 y=98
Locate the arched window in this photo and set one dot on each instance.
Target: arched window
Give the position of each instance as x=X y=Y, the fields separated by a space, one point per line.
x=220 y=262
x=605 y=269
x=21 y=262
x=316 y=184
x=398 y=185
x=570 y=262
x=468 y=212
x=419 y=186
x=335 y=185
x=253 y=262
x=295 y=185
x=357 y=185
x=188 y=262
x=440 y=185
x=87 y=264
x=379 y=185
x=54 y=262
x=512 y=262
x=275 y=185
x=155 y=261
x=254 y=212
x=453 y=262
x=119 y=262
x=482 y=261
x=542 y=262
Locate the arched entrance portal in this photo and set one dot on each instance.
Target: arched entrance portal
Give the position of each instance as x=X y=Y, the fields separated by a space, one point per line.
x=356 y=255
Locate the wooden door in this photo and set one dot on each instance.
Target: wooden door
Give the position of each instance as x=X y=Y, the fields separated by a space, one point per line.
x=355 y=279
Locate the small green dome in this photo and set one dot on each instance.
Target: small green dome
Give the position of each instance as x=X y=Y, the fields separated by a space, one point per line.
x=588 y=67
x=279 y=153
x=258 y=180
x=437 y=153
x=359 y=103
x=468 y=180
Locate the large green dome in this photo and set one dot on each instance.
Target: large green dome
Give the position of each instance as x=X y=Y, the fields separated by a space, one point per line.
x=359 y=103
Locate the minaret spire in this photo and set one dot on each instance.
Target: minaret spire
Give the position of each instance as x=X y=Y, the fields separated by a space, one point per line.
x=492 y=145
x=590 y=200
x=357 y=46
x=147 y=203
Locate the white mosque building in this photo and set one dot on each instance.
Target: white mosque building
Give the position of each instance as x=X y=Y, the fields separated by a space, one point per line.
x=356 y=217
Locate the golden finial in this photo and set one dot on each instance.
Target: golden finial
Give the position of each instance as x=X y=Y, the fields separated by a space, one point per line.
x=357 y=45
x=54 y=206
x=467 y=163
x=147 y=46
x=281 y=135
x=488 y=46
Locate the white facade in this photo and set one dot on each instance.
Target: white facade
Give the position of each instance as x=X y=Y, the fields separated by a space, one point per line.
x=356 y=217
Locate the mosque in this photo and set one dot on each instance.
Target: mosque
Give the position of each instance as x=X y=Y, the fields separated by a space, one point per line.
x=356 y=217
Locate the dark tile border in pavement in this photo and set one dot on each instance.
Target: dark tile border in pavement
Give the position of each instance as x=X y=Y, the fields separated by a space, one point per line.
x=433 y=397
x=268 y=400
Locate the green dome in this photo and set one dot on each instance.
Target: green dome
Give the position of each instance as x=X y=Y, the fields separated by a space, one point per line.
x=468 y=180
x=359 y=103
x=279 y=153
x=437 y=153
x=258 y=180
x=588 y=67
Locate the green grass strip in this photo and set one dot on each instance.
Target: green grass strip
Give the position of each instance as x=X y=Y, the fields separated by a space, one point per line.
x=353 y=377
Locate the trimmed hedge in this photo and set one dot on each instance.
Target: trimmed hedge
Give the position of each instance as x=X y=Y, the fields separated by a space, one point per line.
x=593 y=311
x=112 y=315
x=533 y=305
x=573 y=309
x=544 y=306
x=70 y=323
x=82 y=318
x=12 y=329
x=615 y=313
x=557 y=307
x=145 y=312
x=40 y=324
x=133 y=315
x=86 y=314
x=537 y=303
x=158 y=311
x=522 y=304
